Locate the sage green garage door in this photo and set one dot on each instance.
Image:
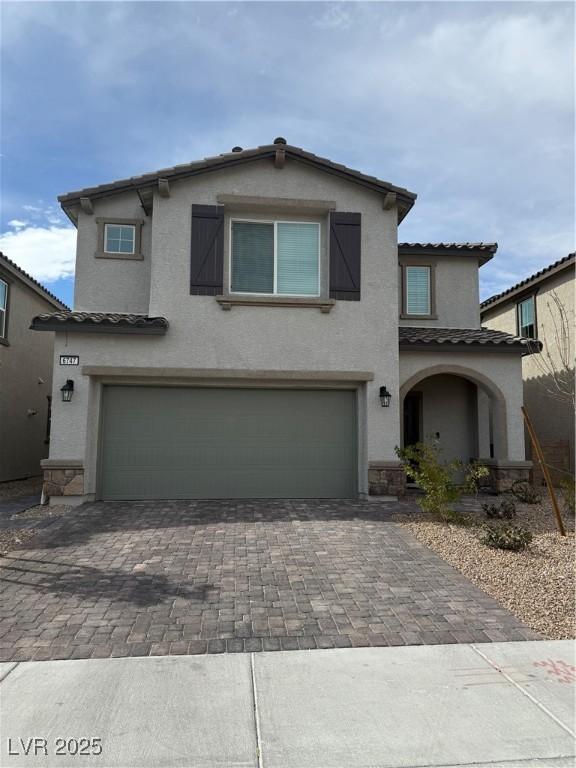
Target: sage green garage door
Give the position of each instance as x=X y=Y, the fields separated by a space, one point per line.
x=185 y=443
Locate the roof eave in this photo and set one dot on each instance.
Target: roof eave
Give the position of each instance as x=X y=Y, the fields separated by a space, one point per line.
x=29 y=281
x=484 y=255
x=405 y=198
x=530 y=282
x=60 y=327
x=464 y=346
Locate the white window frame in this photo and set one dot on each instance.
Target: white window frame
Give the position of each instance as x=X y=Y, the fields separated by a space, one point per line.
x=120 y=253
x=531 y=298
x=428 y=313
x=275 y=223
x=4 y=311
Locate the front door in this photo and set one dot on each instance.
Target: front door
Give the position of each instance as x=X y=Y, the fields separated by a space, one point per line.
x=412 y=418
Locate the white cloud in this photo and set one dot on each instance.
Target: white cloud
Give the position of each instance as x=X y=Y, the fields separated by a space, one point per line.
x=16 y=224
x=47 y=253
x=334 y=17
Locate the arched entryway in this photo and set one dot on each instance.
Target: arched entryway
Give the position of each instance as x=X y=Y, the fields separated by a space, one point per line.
x=458 y=406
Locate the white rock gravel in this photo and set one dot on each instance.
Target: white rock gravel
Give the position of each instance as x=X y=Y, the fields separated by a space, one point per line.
x=536 y=585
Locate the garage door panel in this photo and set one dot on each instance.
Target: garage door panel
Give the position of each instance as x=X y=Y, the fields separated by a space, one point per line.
x=163 y=442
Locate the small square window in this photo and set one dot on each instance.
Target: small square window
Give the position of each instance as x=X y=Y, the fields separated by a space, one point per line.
x=526 y=318
x=119 y=238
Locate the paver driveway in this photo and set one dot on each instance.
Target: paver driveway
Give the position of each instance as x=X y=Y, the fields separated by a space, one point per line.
x=132 y=579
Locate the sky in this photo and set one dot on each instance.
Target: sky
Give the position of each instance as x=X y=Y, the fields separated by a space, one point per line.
x=468 y=104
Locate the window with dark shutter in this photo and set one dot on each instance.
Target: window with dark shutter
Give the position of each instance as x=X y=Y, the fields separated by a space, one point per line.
x=345 y=257
x=207 y=250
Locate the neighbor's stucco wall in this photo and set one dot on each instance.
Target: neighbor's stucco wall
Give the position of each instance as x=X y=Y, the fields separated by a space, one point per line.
x=112 y=285
x=553 y=419
x=456 y=290
x=25 y=383
x=499 y=373
x=353 y=336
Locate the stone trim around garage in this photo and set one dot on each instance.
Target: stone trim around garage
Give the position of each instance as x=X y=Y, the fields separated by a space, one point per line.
x=62 y=477
x=386 y=478
x=503 y=474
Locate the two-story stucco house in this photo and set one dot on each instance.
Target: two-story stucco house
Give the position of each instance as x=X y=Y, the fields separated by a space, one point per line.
x=541 y=308
x=25 y=373
x=239 y=323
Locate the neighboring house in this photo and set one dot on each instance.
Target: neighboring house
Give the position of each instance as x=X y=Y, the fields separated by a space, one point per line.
x=25 y=373
x=238 y=323
x=541 y=307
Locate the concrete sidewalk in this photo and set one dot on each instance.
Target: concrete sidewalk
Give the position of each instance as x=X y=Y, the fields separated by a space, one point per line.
x=494 y=704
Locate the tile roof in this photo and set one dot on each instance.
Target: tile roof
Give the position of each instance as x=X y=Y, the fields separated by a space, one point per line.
x=236 y=157
x=489 y=247
x=459 y=337
x=28 y=279
x=484 y=250
x=535 y=278
x=103 y=322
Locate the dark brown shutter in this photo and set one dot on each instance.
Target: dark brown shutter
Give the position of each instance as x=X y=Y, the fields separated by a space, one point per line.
x=207 y=250
x=345 y=256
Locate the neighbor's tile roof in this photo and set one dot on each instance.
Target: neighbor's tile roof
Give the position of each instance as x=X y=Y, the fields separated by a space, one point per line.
x=105 y=321
x=450 y=337
x=535 y=278
x=13 y=268
x=237 y=157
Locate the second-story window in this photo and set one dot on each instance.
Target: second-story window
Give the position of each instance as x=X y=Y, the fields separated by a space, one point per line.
x=275 y=258
x=526 y=316
x=119 y=238
x=417 y=297
x=3 y=308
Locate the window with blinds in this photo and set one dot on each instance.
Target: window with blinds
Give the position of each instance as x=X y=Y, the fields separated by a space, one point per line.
x=527 y=318
x=417 y=296
x=275 y=258
x=3 y=308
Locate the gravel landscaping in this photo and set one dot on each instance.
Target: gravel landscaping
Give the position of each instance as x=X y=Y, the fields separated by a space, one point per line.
x=12 y=489
x=22 y=528
x=19 y=522
x=536 y=585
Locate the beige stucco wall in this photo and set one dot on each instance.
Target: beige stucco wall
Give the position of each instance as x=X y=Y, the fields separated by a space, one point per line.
x=456 y=288
x=354 y=336
x=552 y=418
x=497 y=373
x=112 y=285
x=25 y=383
x=449 y=413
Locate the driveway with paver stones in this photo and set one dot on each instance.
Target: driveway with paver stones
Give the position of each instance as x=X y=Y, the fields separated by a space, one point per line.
x=156 y=578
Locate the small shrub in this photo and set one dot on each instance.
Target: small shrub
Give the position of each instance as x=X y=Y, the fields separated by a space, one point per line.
x=525 y=492
x=568 y=493
x=511 y=537
x=436 y=478
x=458 y=518
x=506 y=510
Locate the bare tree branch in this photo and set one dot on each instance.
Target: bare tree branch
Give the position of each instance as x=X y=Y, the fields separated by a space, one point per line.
x=556 y=360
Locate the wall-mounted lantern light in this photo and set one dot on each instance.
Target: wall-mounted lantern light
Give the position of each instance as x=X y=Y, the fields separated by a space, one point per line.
x=67 y=391
x=385 y=397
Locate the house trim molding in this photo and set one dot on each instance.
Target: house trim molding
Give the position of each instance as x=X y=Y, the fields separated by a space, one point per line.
x=223 y=374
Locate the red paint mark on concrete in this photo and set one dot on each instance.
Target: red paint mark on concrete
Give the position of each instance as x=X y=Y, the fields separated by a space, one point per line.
x=563 y=672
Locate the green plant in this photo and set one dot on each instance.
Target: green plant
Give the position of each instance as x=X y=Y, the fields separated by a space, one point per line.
x=568 y=493
x=512 y=537
x=436 y=478
x=505 y=510
x=525 y=492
